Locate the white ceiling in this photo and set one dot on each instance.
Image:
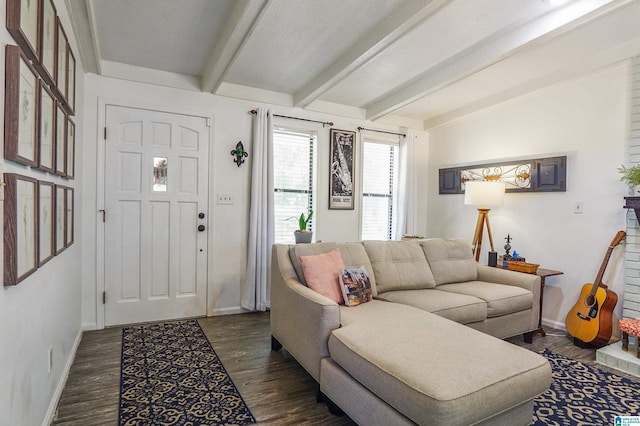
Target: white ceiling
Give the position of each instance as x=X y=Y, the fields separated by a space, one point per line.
x=422 y=62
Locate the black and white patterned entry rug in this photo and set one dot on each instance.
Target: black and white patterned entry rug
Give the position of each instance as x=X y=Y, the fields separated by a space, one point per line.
x=172 y=376
x=584 y=395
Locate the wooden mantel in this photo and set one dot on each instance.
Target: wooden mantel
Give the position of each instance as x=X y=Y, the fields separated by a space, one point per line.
x=633 y=203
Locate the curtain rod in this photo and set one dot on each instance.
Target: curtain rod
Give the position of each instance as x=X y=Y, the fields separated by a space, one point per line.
x=382 y=131
x=329 y=123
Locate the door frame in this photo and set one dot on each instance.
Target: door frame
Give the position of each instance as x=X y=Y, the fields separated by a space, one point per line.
x=101 y=147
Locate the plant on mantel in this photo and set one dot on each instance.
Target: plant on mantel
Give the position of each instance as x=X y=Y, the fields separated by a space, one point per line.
x=631 y=176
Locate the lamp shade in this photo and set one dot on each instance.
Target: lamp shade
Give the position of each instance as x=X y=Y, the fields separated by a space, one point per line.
x=483 y=193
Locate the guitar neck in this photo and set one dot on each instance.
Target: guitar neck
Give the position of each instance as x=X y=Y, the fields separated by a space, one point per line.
x=598 y=282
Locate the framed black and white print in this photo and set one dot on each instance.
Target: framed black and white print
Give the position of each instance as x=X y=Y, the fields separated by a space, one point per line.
x=61 y=219
x=45 y=222
x=46 y=129
x=20 y=109
x=22 y=24
x=61 y=61
x=71 y=148
x=61 y=140
x=341 y=169
x=71 y=82
x=48 y=48
x=20 y=228
x=69 y=211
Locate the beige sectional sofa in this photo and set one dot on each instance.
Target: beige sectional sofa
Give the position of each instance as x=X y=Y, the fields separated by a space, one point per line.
x=427 y=349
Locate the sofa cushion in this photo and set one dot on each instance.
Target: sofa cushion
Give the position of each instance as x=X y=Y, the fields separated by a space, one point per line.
x=322 y=271
x=451 y=261
x=432 y=370
x=355 y=286
x=399 y=265
x=501 y=299
x=460 y=308
x=353 y=255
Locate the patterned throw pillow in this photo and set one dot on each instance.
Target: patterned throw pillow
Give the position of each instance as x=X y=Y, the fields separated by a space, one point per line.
x=355 y=286
x=321 y=274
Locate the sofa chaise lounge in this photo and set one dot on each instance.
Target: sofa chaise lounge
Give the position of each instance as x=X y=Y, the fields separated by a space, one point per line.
x=427 y=350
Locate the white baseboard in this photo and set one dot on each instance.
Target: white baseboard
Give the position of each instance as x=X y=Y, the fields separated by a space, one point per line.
x=51 y=412
x=90 y=326
x=226 y=311
x=554 y=324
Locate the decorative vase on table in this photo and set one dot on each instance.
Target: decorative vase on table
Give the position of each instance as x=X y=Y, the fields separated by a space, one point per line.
x=303 y=237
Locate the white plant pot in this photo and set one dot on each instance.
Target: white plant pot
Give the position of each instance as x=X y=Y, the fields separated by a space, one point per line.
x=636 y=191
x=303 y=237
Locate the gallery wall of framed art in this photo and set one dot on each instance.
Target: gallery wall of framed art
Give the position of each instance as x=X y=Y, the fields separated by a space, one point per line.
x=39 y=137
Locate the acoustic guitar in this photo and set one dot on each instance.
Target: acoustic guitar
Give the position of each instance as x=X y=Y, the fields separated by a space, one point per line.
x=589 y=321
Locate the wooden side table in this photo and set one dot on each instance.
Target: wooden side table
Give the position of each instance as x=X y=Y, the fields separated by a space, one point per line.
x=543 y=273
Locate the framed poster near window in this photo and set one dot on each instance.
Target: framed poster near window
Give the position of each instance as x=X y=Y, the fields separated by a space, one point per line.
x=61 y=220
x=20 y=109
x=46 y=129
x=47 y=42
x=20 y=228
x=61 y=140
x=68 y=211
x=22 y=24
x=46 y=222
x=341 y=169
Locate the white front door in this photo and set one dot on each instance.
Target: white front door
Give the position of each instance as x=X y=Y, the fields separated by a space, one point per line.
x=156 y=197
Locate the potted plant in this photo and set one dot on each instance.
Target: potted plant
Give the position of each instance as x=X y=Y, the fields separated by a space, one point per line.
x=631 y=176
x=301 y=234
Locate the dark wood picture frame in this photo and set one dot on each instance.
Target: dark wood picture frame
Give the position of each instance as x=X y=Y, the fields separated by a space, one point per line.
x=46 y=129
x=70 y=149
x=69 y=211
x=71 y=81
x=46 y=222
x=20 y=228
x=342 y=169
x=23 y=23
x=20 y=108
x=48 y=47
x=60 y=231
x=61 y=141
x=61 y=62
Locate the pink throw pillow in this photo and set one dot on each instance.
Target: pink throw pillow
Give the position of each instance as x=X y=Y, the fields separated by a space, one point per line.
x=322 y=271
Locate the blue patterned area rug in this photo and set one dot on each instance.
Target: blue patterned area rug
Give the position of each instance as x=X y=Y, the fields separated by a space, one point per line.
x=584 y=395
x=171 y=375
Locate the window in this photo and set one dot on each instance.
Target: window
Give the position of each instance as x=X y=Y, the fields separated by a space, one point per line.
x=379 y=190
x=293 y=180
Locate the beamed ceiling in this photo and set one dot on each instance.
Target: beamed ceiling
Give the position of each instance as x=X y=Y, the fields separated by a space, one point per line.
x=419 y=61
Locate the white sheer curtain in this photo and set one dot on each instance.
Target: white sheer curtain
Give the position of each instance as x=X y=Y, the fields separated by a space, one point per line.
x=255 y=291
x=407 y=217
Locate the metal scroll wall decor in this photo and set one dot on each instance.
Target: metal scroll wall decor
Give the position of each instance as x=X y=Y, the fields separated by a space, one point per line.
x=535 y=175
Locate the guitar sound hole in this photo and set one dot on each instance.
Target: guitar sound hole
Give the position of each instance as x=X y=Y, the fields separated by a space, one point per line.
x=590 y=300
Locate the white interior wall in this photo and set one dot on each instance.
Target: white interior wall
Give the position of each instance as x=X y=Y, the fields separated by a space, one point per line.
x=227 y=223
x=587 y=120
x=43 y=311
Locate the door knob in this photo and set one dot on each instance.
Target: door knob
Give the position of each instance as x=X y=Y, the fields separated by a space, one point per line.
x=201 y=228
x=201 y=215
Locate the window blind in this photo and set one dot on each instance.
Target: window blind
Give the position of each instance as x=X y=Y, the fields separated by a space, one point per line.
x=293 y=180
x=379 y=189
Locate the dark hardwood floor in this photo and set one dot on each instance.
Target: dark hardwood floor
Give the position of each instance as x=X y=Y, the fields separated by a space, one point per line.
x=277 y=390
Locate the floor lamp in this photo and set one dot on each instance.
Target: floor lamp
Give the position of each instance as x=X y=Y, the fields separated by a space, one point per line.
x=484 y=194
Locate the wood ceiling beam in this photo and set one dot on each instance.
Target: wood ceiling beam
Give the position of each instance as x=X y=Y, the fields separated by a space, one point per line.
x=388 y=31
x=488 y=52
x=241 y=24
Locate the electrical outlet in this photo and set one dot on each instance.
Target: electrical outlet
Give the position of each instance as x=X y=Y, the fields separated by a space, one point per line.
x=224 y=198
x=577 y=207
x=50 y=358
